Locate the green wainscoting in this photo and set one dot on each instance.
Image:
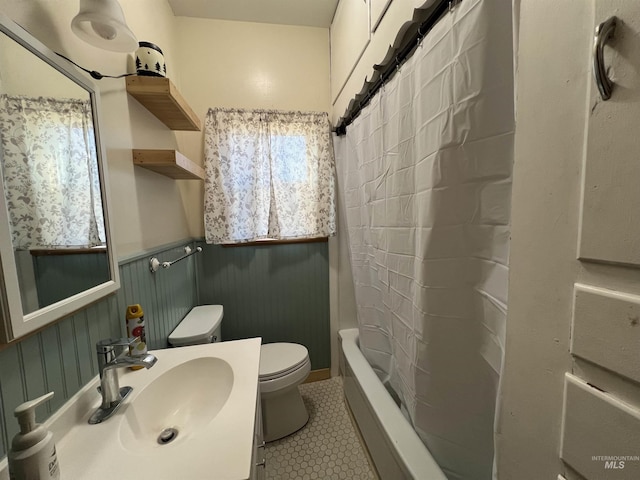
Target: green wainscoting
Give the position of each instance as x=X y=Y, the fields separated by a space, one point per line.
x=166 y=296
x=61 y=276
x=277 y=292
x=62 y=357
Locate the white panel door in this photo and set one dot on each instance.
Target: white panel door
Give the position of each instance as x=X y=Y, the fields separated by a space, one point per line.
x=568 y=142
x=601 y=416
x=611 y=192
x=350 y=34
x=602 y=425
x=378 y=8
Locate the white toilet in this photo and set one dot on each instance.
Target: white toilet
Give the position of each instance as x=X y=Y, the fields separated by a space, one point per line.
x=283 y=366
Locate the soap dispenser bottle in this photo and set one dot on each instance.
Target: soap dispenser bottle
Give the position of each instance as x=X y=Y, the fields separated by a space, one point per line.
x=33 y=453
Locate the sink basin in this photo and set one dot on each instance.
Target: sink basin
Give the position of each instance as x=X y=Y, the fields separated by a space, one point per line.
x=207 y=393
x=181 y=402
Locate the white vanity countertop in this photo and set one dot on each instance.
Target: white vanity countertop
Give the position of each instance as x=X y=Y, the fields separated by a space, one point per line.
x=212 y=448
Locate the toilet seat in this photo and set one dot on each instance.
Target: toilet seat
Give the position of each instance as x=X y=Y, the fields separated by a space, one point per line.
x=282 y=365
x=280 y=359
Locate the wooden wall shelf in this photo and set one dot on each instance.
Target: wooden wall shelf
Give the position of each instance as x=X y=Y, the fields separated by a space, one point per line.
x=161 y=97
x=170 y=163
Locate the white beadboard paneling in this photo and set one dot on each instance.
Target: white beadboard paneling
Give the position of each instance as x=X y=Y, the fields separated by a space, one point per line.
x=606 y=329
x=600 y=433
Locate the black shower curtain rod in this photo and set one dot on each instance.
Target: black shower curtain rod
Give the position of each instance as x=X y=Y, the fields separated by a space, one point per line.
x=407 y=41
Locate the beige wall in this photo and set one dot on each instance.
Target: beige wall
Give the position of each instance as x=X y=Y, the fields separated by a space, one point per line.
x=248 y=65
x=147 y=208
x=25 y=74
x=213 y=63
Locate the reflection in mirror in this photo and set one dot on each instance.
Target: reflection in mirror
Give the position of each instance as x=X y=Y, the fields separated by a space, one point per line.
x=51 y=179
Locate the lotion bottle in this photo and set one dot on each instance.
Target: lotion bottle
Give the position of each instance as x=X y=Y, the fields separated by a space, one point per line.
x=33 y=453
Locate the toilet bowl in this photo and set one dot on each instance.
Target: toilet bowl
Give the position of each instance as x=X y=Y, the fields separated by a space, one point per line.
x=283 y=366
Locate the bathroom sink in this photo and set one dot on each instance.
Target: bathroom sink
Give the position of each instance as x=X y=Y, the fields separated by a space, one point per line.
x=201 y=399
x=178 y=405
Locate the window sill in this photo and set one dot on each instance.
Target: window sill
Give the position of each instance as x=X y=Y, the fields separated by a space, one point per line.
x=41 y=252
x=276 y=242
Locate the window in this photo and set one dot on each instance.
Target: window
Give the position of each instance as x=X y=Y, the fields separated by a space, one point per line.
x=50 y=170
x=269 y=175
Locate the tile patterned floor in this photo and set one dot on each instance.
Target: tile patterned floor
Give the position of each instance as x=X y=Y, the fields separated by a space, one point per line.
x=327 y=447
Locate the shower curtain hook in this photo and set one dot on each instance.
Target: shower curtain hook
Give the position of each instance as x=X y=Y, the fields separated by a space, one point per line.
x=420 y=37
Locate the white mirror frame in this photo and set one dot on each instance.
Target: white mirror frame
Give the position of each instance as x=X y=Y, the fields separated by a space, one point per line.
x=14 y=323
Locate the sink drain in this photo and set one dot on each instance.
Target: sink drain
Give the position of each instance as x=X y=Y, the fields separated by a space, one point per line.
x=167 y=435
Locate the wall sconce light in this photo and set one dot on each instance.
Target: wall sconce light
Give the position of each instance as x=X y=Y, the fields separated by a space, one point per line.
x=101 y=23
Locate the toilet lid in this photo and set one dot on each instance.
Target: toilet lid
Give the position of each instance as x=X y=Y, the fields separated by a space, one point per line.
x=280 y=358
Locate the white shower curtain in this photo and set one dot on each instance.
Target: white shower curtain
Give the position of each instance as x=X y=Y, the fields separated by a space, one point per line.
x=426 y=185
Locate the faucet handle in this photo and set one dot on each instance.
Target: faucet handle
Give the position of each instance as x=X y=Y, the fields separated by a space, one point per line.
x=106 y=345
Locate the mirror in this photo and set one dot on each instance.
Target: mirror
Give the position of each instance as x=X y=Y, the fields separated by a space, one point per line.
x=55 y=247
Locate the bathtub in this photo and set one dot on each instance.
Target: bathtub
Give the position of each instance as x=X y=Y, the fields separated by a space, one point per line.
x=395 y=447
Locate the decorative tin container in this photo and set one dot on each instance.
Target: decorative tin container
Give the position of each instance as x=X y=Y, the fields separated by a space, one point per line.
x=150 y=60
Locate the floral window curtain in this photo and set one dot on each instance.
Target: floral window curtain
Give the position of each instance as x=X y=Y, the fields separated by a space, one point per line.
x=50 y=170
x=269 y=175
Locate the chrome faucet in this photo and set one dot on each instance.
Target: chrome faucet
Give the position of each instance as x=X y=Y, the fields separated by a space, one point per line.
x=112 y=394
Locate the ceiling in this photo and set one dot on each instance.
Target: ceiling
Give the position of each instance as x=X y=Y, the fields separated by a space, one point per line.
x=312 y=13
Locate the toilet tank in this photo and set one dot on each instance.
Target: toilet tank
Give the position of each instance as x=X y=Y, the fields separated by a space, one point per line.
x=201 y=325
